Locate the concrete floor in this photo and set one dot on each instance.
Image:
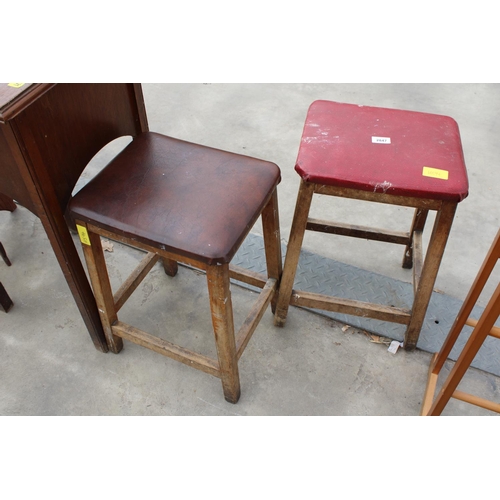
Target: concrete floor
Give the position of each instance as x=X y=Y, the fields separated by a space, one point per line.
x=314 y=366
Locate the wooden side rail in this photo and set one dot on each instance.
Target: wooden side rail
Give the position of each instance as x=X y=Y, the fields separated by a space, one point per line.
x=250 y=277
x=494 y=332
x=165 y=348
x=364 y=232
x=134 y=280
x=255 y=315
x=477 y=401
x=347 y=306
x=191 y=358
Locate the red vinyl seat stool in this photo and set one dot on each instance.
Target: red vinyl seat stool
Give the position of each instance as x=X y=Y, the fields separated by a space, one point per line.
x=379 y=155
x=182 y=202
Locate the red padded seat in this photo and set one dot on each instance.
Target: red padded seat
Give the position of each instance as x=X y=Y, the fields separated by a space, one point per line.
x=398 y=152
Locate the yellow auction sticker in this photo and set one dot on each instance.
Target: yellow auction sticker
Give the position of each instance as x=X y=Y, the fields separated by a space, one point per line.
x=437 y=173
x=84 y=236
x=15 y=85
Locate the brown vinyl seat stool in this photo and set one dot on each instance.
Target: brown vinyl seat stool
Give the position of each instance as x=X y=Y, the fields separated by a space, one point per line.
x=182 y=202
x=378 y=155
x=481 y=329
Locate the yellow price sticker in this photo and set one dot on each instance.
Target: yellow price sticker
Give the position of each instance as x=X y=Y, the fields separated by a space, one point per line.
x=84 y=236
x=15 y=85
x=437 y=173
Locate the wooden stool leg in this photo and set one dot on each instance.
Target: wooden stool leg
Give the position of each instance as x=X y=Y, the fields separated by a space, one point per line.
x=5 y=300
x=478 y=336
x=297 y=231
x=423 y=291
x=272 y=242
x=170 y=267
x=222 y=320
x=99 y=278
x=418 y=224
x=3 y=253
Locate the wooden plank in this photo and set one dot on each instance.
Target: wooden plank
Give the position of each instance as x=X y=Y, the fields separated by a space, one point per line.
x=355 y=231
x=252 y=320
x=165 y=348
x=353 y=307
x=134 y=280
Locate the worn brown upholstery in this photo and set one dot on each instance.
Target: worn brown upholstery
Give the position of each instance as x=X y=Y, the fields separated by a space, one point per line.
x=178 y=196
x=189 y=203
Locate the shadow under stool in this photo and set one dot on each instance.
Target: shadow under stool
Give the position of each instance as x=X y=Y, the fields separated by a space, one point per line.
x=379 y=155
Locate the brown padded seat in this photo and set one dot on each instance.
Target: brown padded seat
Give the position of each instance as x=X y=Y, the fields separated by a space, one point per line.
x=175 y=183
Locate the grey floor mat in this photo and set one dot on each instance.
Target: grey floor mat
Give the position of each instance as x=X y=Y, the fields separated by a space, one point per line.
x=322 y=275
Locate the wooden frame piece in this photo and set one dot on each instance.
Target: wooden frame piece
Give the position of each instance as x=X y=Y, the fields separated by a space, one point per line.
x=230 y=346
x=424 y=269
x=5 y=300
x=134 y=280
x=481 y=329
x=353 y=307
x=4 y=255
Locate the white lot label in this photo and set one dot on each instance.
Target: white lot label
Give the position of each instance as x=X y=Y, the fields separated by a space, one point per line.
x=381 y=140
x=395 y=345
